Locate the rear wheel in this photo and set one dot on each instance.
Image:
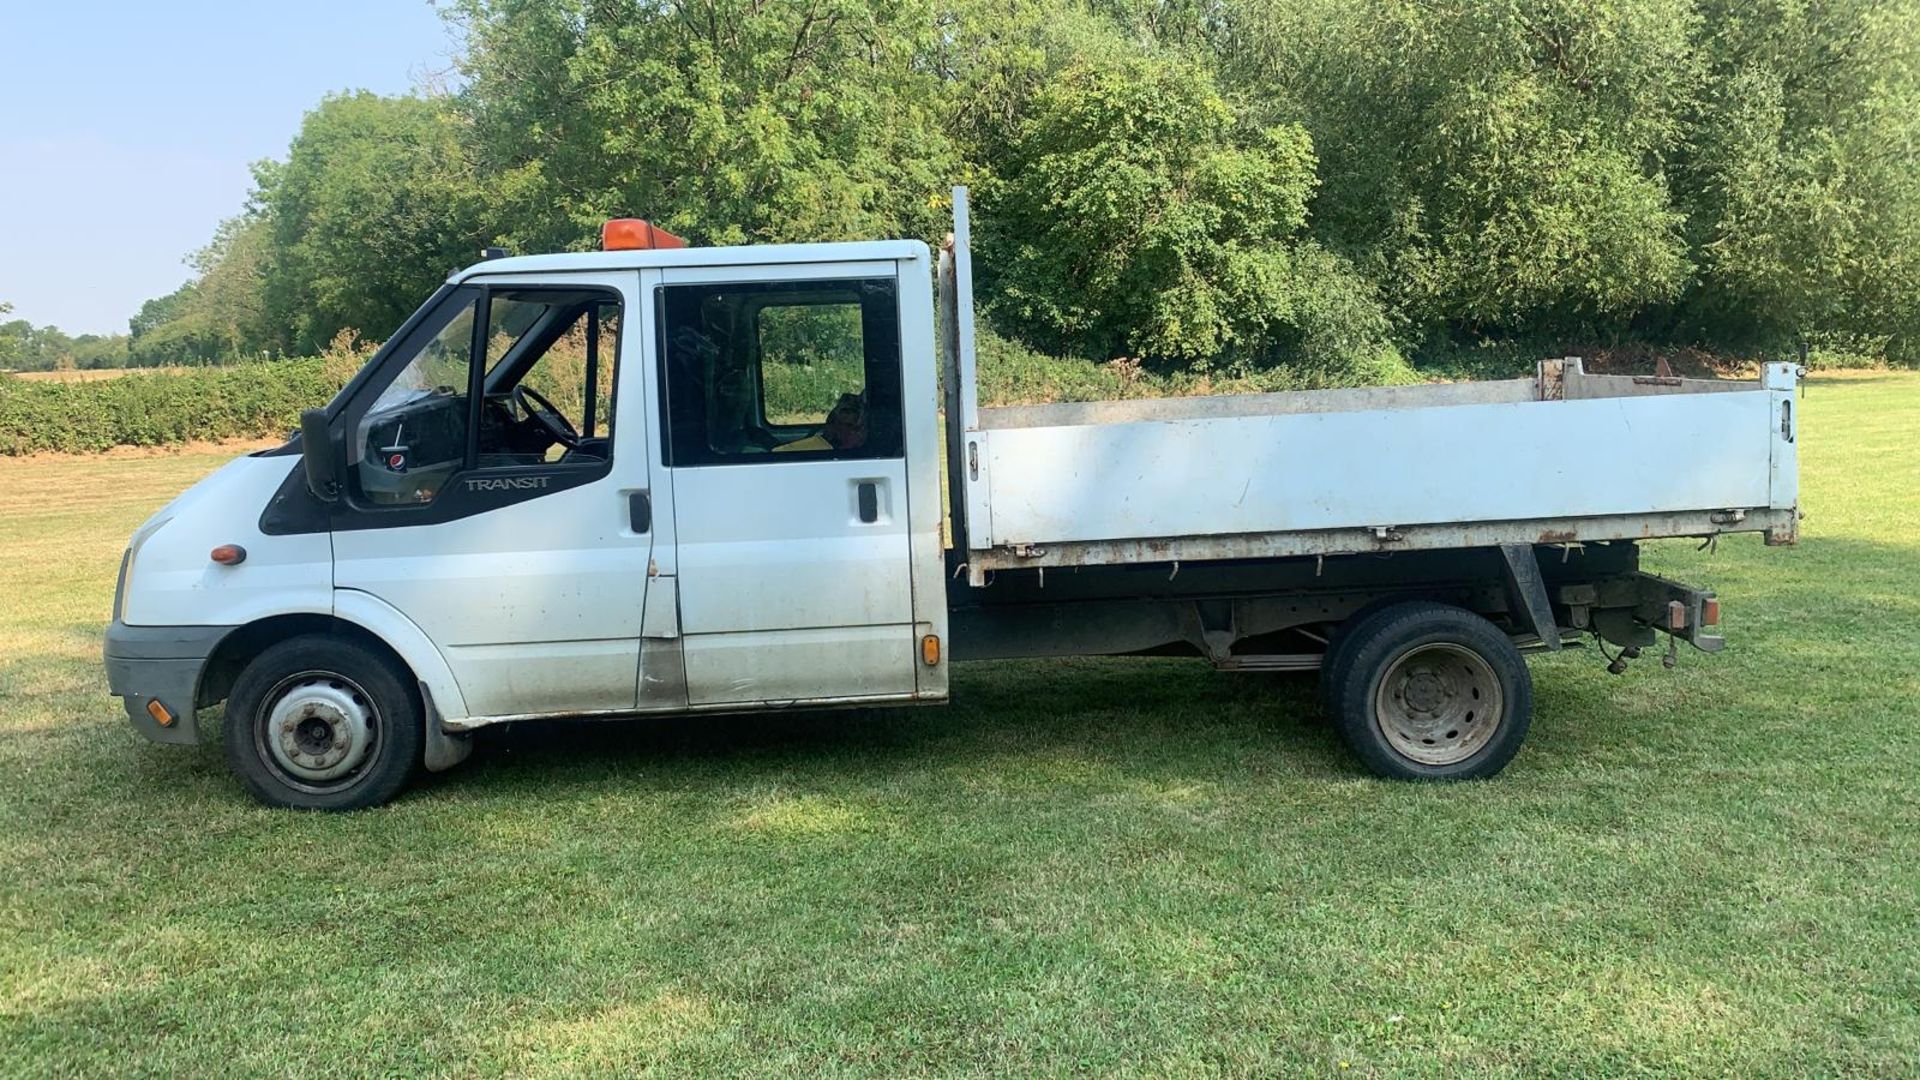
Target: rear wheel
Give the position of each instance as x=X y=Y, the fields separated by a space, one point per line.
x=1334 y=662
x=1432 y=692
x=323 y=723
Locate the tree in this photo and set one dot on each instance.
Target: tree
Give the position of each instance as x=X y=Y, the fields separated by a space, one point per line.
x=1137 y=213
x=219 y=316
x=373 y=207
x=26 y=347
x=1495 y=167
x=724 y=120
x=95 y=351
x=1227 y=182
x=229 y=303
x=175 y=329
x=1802 y=180
x=14 y=336
x=168 y=330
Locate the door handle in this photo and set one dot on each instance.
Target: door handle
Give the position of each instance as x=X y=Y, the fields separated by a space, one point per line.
x=639 y=511
x=869 y=502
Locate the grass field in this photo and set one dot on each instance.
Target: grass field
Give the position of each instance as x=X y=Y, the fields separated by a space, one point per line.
x=1099 y=868
x=92 y=374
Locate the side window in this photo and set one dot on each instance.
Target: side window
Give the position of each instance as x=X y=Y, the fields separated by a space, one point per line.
x=803 y=370
x=590 y=344
x=543 y=362
x=549 y=379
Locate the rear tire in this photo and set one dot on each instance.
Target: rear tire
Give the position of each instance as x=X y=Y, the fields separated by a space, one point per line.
x=1335 y=661
x=1432 y=692
x=323 y=723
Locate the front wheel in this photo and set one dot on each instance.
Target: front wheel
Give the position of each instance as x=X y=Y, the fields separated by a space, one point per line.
x=323 y=723
x=1432 y=692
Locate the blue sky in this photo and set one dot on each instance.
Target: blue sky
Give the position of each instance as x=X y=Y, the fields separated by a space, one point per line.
x=126 y=129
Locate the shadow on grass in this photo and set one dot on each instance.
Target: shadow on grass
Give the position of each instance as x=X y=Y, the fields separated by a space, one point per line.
x=1793 y=614
x=1151 y=719
x=1172 y=720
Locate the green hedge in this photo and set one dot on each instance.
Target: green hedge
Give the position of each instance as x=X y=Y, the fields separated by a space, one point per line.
x=158 y=409
x=1013 y=374
x=153 y=408
x=146 y=408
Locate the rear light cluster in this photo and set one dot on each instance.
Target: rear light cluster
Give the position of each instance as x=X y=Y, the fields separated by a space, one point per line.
x=1677 y=613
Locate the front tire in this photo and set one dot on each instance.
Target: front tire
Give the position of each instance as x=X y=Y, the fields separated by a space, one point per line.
x=1432 y=692
x=323 y=723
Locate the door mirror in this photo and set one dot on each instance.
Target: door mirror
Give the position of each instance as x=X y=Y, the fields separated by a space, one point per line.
x=318 y=456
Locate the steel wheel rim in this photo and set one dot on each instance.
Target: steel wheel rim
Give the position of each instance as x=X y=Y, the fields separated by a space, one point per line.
x=1439 y=703
x=317 y=731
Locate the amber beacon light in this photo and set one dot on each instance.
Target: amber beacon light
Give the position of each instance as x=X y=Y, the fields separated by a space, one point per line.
x=633 y=234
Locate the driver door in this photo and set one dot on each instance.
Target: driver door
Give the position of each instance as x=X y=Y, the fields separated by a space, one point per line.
x=492 y=498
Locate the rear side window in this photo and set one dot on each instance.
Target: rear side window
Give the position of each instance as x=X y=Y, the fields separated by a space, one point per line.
x=781 y=371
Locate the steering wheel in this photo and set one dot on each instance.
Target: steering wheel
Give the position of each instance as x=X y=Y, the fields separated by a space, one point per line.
x=547 y=416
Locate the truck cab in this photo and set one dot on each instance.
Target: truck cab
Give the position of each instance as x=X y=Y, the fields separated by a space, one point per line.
x=644 y=480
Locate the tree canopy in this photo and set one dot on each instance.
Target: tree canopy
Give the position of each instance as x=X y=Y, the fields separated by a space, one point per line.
x=1321 y=185
x=26 y=347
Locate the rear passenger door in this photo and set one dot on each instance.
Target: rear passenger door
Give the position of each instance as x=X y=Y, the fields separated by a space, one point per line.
x=784 y=446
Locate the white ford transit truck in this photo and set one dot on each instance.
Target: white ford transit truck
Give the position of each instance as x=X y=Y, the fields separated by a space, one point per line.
x=659 y=480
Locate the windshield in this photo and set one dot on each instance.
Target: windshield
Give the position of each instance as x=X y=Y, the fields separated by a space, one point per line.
x=440 y=367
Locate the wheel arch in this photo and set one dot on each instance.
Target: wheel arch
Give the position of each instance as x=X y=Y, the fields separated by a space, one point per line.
x=356 y=615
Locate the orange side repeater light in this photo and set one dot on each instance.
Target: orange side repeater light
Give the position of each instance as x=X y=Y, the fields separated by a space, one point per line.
x=930 y=649
x=633 y=234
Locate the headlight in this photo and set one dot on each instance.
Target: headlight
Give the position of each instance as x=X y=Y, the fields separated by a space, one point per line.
x=140 y=536
x=120 y=585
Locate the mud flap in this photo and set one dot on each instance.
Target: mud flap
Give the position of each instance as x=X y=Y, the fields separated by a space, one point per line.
x=440 y=750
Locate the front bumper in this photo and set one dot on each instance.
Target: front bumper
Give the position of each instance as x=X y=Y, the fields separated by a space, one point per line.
x=160 y=663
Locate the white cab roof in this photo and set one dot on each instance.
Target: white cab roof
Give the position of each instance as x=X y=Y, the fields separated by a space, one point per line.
x=754 y=255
